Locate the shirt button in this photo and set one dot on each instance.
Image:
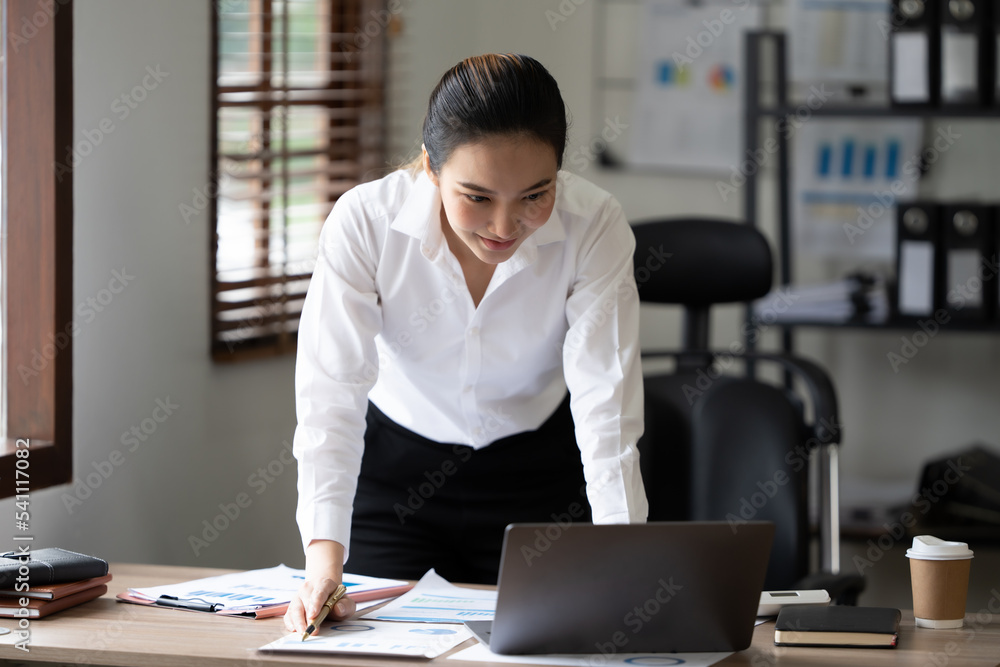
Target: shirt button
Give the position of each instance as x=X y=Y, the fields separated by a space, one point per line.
x=477 y=432
x=468 y=389
x=426 y=251
x=474 y=331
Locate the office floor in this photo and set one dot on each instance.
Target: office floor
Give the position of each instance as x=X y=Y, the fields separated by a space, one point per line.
x=887 y=574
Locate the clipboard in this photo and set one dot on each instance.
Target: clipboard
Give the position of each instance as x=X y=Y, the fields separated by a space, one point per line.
x=261 y=593
x=264 y=611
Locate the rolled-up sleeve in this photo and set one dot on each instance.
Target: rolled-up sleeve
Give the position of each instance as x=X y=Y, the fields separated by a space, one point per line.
x=336 y=366
x=603 y=371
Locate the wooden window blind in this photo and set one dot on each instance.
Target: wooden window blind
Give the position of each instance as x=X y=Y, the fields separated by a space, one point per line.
x=299 y=120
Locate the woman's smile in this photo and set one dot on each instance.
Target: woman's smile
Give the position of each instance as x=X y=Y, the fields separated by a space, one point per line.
x=497 y=245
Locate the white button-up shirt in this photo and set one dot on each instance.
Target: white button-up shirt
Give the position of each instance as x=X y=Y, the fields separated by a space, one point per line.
x=388 y=316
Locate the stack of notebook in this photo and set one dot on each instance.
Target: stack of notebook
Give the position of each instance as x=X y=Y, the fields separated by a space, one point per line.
x=56 y=579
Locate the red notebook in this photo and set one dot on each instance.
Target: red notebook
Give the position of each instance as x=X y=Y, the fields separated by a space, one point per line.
x=10 y=607
x=54 y=591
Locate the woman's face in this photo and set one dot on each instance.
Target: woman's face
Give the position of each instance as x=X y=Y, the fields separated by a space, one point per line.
x=494 y=194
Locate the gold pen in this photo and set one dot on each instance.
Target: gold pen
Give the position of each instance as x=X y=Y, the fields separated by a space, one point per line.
x=332 y=600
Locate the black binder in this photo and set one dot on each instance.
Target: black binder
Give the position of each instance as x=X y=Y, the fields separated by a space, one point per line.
x=965 y=52
x=970 y=287
x=914 y=53
x=993 y=70
x=993 y=261
x=918 y=260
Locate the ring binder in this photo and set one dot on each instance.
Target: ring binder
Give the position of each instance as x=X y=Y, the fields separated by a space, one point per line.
x=970 y=285
x=992 y=73
x=914 y=53
x=918 y=240
x=963 y=52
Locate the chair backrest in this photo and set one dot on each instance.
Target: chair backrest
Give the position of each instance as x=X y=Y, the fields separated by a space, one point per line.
x=698 y=262
x=701 y=261
x=715 y=447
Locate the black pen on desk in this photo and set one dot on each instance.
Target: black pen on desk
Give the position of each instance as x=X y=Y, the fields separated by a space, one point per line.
x=194 y=604
x=330 y=602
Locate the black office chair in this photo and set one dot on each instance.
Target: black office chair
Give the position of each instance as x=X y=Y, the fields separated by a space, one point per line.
x=735 y=448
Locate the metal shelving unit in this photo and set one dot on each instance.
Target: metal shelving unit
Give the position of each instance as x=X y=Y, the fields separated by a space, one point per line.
x=780 y=110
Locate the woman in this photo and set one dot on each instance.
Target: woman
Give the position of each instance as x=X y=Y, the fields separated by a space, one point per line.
x=452 y=306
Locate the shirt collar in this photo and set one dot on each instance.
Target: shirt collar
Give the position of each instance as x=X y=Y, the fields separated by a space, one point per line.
x=420 y=207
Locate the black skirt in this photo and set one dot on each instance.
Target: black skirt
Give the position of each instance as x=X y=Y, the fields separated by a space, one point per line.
x=422 y=504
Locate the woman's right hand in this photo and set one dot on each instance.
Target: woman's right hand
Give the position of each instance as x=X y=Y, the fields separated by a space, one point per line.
x=324 y=572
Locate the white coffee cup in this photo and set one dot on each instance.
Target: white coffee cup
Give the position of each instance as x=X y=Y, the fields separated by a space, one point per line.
x=939 y=577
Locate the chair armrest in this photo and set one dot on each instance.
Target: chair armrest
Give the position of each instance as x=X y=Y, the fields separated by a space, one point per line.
x=826 y=426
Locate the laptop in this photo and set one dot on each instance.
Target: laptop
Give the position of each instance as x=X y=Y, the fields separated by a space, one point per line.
x=628 y=588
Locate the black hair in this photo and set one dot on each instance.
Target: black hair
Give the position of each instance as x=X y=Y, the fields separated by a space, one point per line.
x=494 y=94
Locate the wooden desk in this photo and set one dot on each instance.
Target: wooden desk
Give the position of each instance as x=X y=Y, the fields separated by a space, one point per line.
x=106 y=632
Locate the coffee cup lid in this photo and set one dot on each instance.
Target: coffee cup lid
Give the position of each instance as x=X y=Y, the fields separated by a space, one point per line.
x=927 y=547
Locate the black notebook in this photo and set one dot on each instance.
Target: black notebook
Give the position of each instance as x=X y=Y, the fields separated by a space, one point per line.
x=837 y=626
x=50 y=566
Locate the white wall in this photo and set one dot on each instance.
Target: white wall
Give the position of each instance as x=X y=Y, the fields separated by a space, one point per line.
x=151 y=341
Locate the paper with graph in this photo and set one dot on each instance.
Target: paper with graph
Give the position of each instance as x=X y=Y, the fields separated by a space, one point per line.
x=375 y=638
x=689 y=96
x=434 y=600
x=846 y=178
x=838 y=41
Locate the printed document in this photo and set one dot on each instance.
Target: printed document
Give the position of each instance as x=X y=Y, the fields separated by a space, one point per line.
x=434 y=600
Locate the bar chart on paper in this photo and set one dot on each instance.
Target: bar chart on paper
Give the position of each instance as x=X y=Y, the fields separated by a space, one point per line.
x=376 y=638
x=434 y=600
x=846 y=178
x=850 y=160
x=441 y=609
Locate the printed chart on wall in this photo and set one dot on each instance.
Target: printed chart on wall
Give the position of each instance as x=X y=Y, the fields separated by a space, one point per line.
x=689 y=99
x=839 y=42
x=846 y=179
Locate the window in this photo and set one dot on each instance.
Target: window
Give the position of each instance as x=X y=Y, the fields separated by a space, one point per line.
x=37 y=244
x=299 y=120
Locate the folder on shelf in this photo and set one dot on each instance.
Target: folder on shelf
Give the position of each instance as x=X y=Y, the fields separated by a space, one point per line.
x=993 y=58
x=964 y=52
x=970 y=283
x=914 y=53
x=918 y=239
x=858 y=297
